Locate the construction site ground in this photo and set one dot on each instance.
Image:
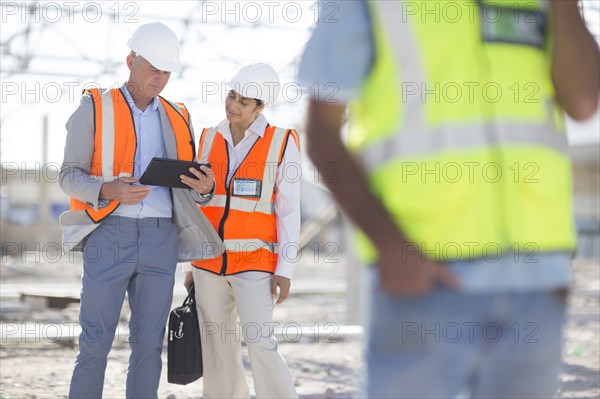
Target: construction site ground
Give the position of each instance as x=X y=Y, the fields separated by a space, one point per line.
x=323 y=350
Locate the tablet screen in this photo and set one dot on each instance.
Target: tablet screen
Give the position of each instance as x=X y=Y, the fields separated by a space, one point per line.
x=165 y=172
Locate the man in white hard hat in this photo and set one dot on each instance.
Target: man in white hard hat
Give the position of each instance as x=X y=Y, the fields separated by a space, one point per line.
x=256 y=211
x=132 y=236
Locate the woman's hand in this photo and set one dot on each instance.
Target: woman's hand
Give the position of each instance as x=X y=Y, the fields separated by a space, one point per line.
x=189 y=280
x=284 y=284
x=204 y=182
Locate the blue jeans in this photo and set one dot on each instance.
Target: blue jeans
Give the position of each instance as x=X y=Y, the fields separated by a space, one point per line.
x=500 y=345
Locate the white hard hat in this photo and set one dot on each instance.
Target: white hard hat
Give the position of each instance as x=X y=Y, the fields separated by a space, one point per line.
x=158 y=44
x=257 y=80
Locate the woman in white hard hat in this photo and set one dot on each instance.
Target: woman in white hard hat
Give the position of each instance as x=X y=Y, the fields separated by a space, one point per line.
x=256 y=211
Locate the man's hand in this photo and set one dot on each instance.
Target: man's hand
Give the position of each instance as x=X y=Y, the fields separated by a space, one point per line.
x=189 y=280
x=556 y=5
x=284 y=284
x=124 y=191
x=204 y=182
x=575 y=61
x=405 y=271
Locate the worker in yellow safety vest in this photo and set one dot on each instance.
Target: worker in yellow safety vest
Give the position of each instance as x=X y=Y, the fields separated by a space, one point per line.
x=460 y=181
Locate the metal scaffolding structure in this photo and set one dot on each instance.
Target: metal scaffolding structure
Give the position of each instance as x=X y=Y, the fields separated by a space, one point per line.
x=50 y=50
x=21 y=53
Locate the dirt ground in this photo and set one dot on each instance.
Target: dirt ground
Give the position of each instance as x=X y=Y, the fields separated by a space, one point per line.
x=322 y=368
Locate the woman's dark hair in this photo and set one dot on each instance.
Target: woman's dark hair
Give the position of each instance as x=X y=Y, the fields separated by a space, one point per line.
x=258 y=102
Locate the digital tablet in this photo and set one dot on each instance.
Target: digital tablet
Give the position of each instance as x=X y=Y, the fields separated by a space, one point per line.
x=165 y=172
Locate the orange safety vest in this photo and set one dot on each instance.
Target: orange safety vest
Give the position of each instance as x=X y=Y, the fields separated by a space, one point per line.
x=245 y=221
x=114 y=152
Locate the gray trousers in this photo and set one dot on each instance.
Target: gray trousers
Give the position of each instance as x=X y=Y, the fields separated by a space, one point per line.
x=137 y=256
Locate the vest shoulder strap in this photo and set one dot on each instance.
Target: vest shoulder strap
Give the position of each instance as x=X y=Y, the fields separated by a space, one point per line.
x=274 y=156
x=289 y=134
x=184 y=112
x=206 y=142
x=92 y=91
x=180 y=108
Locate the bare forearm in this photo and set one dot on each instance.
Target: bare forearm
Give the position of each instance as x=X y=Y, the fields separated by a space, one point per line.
x=348 y=186
x=576 y=61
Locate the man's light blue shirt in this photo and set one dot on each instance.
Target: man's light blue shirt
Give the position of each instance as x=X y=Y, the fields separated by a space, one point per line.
x=150 y=144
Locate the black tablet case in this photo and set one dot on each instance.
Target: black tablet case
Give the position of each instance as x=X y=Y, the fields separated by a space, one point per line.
x=165 y=172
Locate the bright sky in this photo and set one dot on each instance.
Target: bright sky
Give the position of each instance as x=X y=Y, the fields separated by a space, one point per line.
x=84 y=43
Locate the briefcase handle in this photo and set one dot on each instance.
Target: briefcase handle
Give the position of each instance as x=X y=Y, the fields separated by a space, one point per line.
x=191 y=298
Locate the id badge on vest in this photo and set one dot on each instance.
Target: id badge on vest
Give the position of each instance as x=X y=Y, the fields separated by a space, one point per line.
x=514 y=25
x=247 y=188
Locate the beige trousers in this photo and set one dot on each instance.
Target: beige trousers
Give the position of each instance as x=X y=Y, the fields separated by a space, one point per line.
x=220 y=300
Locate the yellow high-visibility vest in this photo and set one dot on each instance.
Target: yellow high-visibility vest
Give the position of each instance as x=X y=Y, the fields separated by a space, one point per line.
x=460 y=134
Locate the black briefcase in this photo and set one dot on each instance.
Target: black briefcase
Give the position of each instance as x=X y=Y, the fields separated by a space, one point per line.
x=184 y=360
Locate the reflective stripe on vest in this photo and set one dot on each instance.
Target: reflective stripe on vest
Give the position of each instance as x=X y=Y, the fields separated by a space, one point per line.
x=406 y=133
x=403 y=143
x=180 y=121
x=243 y=205
x=246 y=225
x=111 y=111
x=250 y=245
